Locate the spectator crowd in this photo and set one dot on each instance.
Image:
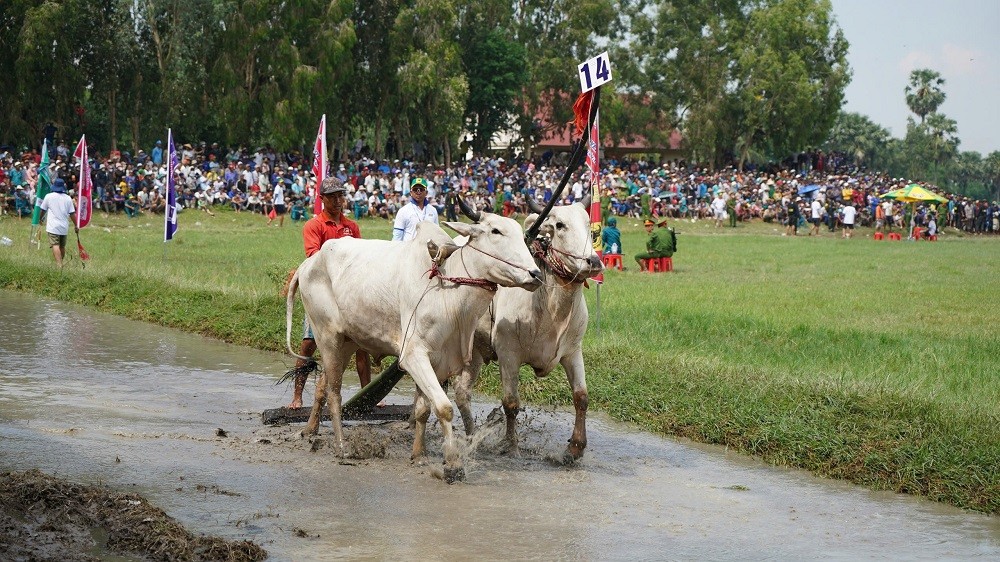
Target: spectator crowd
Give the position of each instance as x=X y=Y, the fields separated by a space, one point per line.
x=826 y=192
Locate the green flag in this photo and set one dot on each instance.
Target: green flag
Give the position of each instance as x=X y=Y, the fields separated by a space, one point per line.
x=43 y=186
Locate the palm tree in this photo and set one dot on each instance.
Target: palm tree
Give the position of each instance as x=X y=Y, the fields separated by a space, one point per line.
x=924 y=94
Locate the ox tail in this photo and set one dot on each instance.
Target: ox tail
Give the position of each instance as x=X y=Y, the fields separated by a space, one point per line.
x=291 y=286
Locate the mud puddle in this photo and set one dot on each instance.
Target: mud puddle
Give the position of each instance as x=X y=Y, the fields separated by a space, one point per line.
x=101 y=400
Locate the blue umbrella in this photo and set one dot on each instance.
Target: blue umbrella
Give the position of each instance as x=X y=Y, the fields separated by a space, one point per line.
x=808 y=189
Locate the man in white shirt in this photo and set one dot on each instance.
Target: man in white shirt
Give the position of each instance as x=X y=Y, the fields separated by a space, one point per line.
x=58 y=209
x=413 y=213
x=849 y=214
x=278 y=199
x=817 y=216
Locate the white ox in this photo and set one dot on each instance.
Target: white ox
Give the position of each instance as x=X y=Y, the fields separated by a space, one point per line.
x=541 y=329
x=377 y=295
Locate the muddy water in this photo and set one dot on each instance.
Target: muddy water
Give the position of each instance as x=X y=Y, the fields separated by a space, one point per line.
x=96 y=398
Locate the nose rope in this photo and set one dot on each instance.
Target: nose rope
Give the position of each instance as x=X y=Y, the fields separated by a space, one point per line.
x=556 y=263
x=435 y=271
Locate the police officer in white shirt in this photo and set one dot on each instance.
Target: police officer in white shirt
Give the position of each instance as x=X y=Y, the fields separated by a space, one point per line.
x=416 y=211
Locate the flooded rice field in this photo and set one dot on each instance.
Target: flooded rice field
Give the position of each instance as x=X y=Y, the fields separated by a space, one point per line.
x=93 y=398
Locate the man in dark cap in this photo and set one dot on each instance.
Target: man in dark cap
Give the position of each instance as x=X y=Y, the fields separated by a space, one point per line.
x=662 y=242
x=58 y=210
x=329 y=224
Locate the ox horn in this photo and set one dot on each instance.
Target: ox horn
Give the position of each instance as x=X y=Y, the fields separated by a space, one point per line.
x=535 y=206
x=440 y=253
x=467 y=210
x=586 y=201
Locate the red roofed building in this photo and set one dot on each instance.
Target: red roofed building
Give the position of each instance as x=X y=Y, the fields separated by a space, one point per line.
x=559 y=137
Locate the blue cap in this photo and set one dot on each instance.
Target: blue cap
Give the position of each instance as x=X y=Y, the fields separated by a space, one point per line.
x=59 y=186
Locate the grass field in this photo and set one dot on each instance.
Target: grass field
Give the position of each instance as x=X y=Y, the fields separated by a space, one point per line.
x=876 y=362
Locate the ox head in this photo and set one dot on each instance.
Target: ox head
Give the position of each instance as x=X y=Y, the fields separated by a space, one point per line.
x=495 y=250
x=565 y=233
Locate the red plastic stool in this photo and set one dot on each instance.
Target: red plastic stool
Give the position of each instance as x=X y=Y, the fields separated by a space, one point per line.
x=612 y=260
x=878 y=236
x=932 y=238
x=658 y=265
x=917 y=233
x=895 y=236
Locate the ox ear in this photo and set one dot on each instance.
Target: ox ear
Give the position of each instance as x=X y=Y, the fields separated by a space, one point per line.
x=440 y=253
x=529 y=220
x=461 y=228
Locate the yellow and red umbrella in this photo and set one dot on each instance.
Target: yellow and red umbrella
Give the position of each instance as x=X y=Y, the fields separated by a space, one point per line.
x=914 y=194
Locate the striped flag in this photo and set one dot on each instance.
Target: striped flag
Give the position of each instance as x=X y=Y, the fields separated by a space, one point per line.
x=319 y=165
x=84 y=199
x=170 y=213
x=594 y=164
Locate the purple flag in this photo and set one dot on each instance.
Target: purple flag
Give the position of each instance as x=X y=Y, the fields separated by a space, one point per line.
x=170 y=213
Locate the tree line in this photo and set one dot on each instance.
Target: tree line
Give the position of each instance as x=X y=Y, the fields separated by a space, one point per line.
x=732 y=72
x=930 y=149
x=744 y=80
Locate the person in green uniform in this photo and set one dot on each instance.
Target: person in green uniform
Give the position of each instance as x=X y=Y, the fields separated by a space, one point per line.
x=606 y=205
x=662 y=242
x=731 y=209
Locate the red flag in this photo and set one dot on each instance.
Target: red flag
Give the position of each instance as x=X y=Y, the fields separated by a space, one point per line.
x=84 y=202
x=581 y=111
x=594 y=164
x=319 y=165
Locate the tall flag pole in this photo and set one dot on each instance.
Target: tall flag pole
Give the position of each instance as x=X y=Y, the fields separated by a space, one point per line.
x=42 y=188
x=594 y=165
x=319 y=165
x=170 y=213
x=84 y=200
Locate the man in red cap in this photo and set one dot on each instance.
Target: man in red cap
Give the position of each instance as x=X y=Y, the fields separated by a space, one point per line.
x=327 y=225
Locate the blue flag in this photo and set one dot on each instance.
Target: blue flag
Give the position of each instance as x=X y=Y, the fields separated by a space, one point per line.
x=170 y=213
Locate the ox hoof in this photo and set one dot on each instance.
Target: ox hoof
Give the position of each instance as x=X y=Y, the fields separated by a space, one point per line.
x=454 y=474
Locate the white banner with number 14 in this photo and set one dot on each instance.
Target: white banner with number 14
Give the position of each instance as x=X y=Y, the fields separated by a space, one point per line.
x=595 y=72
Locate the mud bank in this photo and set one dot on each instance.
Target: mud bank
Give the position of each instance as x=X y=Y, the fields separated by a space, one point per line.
x=48 y=518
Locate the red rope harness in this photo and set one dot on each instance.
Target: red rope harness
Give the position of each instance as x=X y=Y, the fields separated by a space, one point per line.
x=555 y=263
x=471 y=282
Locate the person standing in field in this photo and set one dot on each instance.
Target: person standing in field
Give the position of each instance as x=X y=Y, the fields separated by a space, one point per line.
x=816 y=208
x=330 y=224
x=413 y=213
x=850 y=213
x=58 y=209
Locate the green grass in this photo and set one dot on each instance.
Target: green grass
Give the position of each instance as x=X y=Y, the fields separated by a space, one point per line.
x=875 y=362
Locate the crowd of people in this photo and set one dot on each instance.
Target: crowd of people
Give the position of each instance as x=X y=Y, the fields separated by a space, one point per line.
x=802 y=194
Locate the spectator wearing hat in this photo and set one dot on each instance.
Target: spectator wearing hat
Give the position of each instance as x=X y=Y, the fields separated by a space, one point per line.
x=330 y=224
x=157 y=153
x=662 y=242
x=611 y=237
x=415 y=212
x=58 y=209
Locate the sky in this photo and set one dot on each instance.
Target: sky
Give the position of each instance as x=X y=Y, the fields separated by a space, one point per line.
x=960 y=39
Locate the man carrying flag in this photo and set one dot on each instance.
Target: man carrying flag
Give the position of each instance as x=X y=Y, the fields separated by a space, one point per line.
x=58 y=209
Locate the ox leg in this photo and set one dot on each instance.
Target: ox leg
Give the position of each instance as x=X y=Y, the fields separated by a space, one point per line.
x=509 y=373
x=334 y=360
x=426 y=380
x=578 y=383
x=421 y=413
x=319 y=400
x=463 y=392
